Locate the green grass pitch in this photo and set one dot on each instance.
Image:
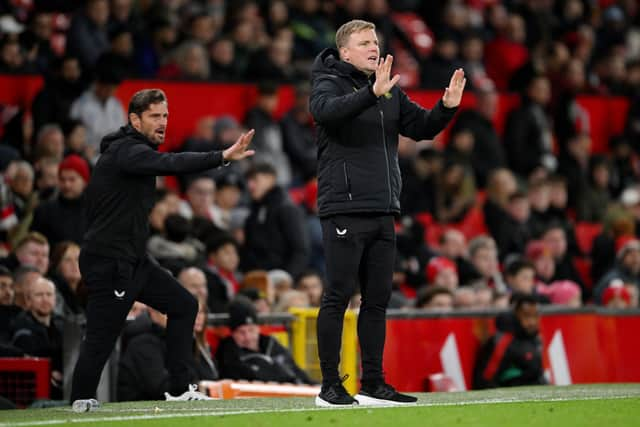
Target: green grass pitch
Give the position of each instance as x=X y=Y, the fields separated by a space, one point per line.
x=581 y=406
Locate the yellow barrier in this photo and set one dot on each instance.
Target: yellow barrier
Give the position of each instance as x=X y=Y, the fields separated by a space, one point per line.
x=304 y=345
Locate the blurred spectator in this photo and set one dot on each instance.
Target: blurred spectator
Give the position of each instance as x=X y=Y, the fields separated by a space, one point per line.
x=299 y=136
x=87 y=37
x=513 y=358
x=506 y=52
x=574 y=165
x=539 y=254
x=203 y=27
x=453 y=245
x=249 y=355
x=175 y=249
x=419 y=182
x=564 y=292
x=200 y=195
x=8 y=310
x=20 y=177
x=623 y=170
x=434 y=298
x=555 y=238
x=31 y=250
x=273 y=63
x=23 y=277
x=442 y=272
x=12 y=59
x=291 y=298
x=194 y=281
x=189 y=63
x=119 y=56
x=593 y=202
x=488 y=153
x=274 y=230
x=616 y=296
x=281 y=281
x=75 y=142
x=312 y=31
x=528 y=133
x=483 y=255
x=201 y=140
x=222 y=65
x=437 y=69
x=153 y=47
x=520 y=276
x=38 y=332
x=47 y=170
x=268 y=140
x=98 y=109
x=221 y=271
x=52 y=104
x=540 y=217
x=457 y=192
x=64 y=217
x=513 y=234
x=71 y=296
x=258 y=299
x=49 y=142
x=558 y=211
x=226 y=209
x=142 y=371
x=627 y=268
x=36 y=40
x=464 y=298
x=310 y=282
x=500 y=187
x=472 y=52
x=569 y=118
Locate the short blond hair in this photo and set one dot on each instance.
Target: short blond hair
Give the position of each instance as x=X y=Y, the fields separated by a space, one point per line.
x=353 y=26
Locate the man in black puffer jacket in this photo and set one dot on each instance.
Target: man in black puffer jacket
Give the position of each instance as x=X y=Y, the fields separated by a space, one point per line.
x=359 y=114
x=114 y=264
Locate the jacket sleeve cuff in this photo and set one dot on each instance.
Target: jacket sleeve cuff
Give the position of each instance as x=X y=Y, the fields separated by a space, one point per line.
x=448 y=110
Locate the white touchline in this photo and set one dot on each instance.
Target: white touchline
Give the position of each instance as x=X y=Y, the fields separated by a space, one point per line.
x=204 y=413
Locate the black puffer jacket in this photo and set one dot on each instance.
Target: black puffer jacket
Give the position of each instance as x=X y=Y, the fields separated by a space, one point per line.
x=357 y=137
x=121 y=192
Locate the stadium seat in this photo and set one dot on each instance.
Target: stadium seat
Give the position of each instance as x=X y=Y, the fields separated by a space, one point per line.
x=583 y=267
x=585 y=233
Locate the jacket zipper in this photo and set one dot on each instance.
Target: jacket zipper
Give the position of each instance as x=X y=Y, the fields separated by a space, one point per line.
x=386 y=155
x=346 y=180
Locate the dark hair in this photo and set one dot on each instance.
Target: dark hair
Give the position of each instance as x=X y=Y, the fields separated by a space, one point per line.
x=142 y=99
x=514 y=267
x=519 y=299
x=215 y=242
x=177 y=227
x=518 y=195
x=307 y=273
x=4 y=271
x=58 y=253
x=261 y=168
x=427 y=293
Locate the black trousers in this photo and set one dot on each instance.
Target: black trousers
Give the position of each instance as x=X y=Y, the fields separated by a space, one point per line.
x=113 y=286
x=359 y=249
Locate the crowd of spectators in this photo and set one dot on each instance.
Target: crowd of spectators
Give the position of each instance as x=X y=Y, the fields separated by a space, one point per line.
x=236 y=231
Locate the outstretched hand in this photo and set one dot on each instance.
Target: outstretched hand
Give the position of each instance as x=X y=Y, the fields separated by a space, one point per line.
x=238 y=150
x=453 y=94
x=382 y=84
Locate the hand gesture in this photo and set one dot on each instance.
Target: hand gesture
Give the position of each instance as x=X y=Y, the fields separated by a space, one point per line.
x=238 y=150
x=382 y=84
x=453 y=94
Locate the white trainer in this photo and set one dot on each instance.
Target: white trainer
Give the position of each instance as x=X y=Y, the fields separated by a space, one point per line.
x=191 y=394
x=85 y=405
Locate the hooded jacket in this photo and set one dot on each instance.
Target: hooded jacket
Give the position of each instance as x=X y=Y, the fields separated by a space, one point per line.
x=357 y=137
x=121 y=192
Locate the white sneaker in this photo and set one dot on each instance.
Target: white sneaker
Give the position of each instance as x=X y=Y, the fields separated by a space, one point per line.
x=190 y=394
x=85 y=405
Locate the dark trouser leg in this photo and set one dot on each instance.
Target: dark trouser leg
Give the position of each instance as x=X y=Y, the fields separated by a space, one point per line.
x=376 y=274
x=162 y=292
x=106 y=315
x=343 y=249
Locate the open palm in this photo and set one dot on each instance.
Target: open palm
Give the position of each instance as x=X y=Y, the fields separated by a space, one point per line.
x=453 y=94
x=238 y=150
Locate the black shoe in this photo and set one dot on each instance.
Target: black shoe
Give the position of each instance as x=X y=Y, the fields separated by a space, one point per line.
x=382 y=394
x=335 y=395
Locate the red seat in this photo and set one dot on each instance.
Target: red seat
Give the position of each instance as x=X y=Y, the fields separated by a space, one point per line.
x=583 y=267
x=585 y=233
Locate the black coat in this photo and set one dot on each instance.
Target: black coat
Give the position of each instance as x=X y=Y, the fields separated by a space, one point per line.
x=121 y=192
x=300 y=146
x=61 y=219
x=272 y=363
x=357 y=137
x=524 y=138
x=275 y=235
x=39 y=340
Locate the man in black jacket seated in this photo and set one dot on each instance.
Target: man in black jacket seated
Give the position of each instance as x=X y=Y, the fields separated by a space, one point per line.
x=360 y=113
x=114 y=262
x=249 y=355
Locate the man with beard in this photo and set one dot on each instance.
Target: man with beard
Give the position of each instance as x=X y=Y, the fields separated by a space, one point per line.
x=513 y=358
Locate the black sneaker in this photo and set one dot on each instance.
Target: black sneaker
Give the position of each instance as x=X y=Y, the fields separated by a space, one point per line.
x=383 y=394
x=335 y=395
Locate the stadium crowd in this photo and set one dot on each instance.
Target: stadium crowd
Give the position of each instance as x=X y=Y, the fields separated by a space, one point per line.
x=252 y=230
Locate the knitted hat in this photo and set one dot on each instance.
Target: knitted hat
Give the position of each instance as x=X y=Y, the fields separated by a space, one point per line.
x=625 y=244
x=562 y=291
x=77 y=164
x=241 y=312
x=616 y=289
x=438 y=264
